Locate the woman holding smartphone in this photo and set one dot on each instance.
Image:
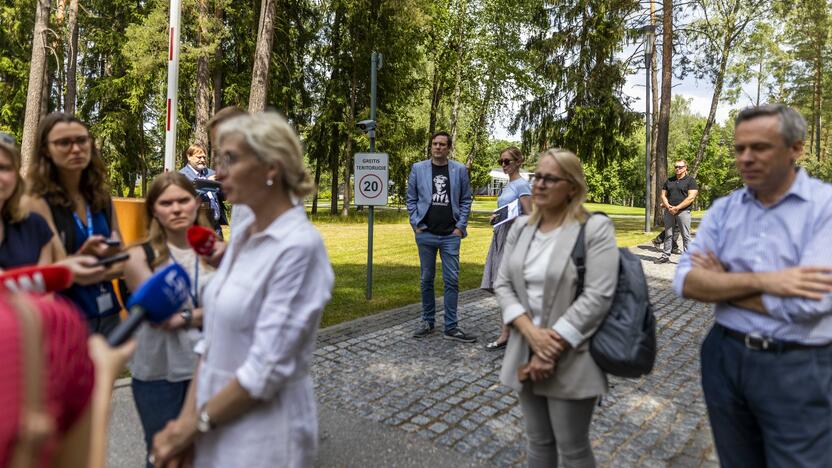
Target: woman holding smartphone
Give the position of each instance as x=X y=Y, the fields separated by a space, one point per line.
x=165 y=359
x=68 y=187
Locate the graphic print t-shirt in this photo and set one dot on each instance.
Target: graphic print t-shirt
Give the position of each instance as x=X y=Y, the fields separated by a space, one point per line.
x=440 y=217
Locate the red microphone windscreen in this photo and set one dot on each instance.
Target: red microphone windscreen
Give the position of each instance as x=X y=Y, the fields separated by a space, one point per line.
x=201 y=239
x=36 y=279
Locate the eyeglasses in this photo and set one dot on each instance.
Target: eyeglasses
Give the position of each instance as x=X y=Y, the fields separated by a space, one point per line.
x=547 y=180
x=65 y=144
x=227 y=159
x=680 y=167
x=8 y=139
x=505 y=162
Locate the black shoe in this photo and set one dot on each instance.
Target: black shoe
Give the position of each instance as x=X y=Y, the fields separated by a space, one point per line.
x=459 y=335
x=676 y=252
x=424 y=329
x=657 y=242
x=663 y=260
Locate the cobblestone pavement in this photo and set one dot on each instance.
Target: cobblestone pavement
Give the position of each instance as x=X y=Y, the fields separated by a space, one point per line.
x=448 y=393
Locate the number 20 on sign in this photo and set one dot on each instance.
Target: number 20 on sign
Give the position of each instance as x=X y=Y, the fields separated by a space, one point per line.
x=371 y=179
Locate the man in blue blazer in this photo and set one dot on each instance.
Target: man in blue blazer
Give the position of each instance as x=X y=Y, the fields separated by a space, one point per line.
x=439 y=202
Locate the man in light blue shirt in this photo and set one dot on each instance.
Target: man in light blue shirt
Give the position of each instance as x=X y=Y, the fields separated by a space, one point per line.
x=762 y=255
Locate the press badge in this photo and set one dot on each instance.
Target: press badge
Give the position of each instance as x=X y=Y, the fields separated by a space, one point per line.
x=104 y=301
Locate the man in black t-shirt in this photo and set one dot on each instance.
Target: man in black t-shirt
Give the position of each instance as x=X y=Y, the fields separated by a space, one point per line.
x=439 y=201
x=678 y=194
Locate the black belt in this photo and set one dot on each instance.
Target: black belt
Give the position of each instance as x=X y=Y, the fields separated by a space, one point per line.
x=758 y=342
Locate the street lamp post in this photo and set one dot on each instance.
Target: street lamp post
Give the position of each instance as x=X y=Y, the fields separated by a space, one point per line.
x=649 y=33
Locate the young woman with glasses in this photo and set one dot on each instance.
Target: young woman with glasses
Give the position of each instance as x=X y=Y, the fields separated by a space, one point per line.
x=67 y=184
x=511 y=160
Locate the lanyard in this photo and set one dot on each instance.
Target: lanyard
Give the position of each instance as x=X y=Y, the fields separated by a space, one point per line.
x=194 y=291
x=88 y=228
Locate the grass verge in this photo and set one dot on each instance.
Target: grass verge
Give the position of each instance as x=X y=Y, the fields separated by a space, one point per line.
x=396 y=261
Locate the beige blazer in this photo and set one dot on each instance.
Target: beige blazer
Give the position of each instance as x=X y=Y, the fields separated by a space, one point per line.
x=576 y=375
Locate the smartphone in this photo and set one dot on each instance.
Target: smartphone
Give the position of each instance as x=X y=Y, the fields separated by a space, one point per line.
x=112 y=242
x=107 y=261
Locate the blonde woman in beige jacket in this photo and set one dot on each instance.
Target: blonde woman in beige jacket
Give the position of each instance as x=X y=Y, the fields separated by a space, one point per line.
x=547 y=359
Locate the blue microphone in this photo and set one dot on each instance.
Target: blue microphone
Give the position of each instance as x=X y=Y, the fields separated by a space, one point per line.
x=156 y=300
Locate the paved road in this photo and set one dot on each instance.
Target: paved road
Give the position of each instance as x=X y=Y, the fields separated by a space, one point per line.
x=389 y=400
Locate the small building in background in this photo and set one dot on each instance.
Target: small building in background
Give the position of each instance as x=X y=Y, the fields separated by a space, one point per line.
x=498 y=179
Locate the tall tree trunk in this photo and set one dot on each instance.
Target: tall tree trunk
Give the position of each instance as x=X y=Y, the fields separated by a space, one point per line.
x=461 y=47
x=218 y=14
x=435 y=98
x=455 y=107
x=345 y=209
x=262 y=58
x=760 y=78
x=663 y=128
x=818 y=101
x=654 y=132
x=317 y=185
x=333 y=169
x=709 y=123
x=203 y=80
x=482 y=121
x=48 y=79
x=71 y=58
x=37 y=70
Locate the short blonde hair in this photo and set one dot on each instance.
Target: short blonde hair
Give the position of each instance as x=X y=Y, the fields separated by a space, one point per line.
x=573 y=171
x=273 y=141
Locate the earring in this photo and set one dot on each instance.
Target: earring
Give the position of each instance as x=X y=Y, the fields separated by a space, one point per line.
x=269 y=182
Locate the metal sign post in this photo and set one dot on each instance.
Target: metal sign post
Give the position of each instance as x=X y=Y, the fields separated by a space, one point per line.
x=369 y=126
x=173 y=85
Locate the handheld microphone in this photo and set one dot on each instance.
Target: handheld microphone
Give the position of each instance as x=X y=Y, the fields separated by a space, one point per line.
x=156 y=300
x=202 y=240
x=36 y=279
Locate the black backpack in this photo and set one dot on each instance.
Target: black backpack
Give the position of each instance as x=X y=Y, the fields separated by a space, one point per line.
x=625 y=344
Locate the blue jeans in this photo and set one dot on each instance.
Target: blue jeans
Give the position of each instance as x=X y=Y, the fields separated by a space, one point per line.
x=448 y=247
x=770 y=409
x=157 y=401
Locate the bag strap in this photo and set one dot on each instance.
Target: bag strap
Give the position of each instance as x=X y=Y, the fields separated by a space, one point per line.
x=149 y=254
x=36 y=424
x=579 y=253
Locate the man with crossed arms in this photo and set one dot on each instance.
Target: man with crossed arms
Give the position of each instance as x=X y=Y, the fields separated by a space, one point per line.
x=762 y=256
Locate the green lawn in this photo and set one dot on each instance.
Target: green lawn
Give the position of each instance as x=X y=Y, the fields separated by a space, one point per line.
x=612 y=210
x=396 y=262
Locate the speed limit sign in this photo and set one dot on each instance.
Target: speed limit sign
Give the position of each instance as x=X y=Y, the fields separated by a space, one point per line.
x=371 y=175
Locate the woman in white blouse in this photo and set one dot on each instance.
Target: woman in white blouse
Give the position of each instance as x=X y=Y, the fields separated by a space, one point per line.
x=547 y=359
x=253 y=403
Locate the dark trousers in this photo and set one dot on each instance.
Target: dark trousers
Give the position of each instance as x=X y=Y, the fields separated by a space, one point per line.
x=157 y=402
x=768 y=409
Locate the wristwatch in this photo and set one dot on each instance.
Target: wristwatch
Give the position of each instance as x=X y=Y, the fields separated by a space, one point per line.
x=203 y=422
x=188 y=316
